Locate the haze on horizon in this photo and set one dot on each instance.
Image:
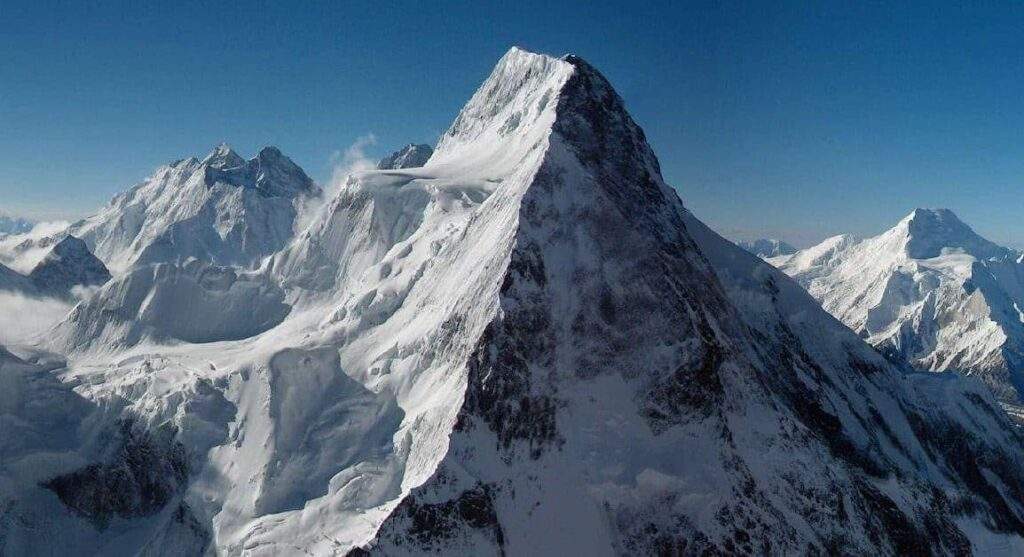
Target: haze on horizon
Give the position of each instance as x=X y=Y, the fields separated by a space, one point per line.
x=772 y=121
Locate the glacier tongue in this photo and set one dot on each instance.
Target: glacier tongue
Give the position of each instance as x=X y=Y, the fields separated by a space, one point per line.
x=530 y=330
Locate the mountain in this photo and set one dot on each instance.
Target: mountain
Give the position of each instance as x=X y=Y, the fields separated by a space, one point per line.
x=410 y=156
x=767 y=247
x=14 y=225
x=930 y=292
x=526 y=346
x=68 y=264
x=223 y=209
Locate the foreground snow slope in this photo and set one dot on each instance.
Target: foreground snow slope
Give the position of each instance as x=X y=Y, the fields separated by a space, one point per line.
x=930 y=292
x=525 y=347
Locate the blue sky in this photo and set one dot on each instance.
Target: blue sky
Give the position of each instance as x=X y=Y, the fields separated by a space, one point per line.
x=770 y=119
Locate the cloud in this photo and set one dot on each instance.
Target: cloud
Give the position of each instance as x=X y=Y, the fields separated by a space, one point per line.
x=343 y=163
x=352 y=159
x=22 y=318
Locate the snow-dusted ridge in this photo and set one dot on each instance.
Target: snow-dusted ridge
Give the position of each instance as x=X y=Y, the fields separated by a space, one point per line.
x=930 y=292
x=526 y=346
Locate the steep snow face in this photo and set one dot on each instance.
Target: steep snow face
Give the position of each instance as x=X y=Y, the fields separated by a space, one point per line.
x=223 y=209
x=410 y=156
x=529 y=330
x=68 y=264
x=768 y=247
x=930 y=292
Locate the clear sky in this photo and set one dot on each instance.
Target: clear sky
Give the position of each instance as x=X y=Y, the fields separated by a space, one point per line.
x=771 y=120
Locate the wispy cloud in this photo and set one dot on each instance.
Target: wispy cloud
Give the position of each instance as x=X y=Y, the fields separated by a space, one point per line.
x=351 y=159
x=23 y=318
x=343 y=163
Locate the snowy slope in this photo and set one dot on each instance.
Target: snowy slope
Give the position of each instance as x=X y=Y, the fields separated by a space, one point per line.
x=930 y=292
x=525 y=347
x=223 y=209
x=768 y=247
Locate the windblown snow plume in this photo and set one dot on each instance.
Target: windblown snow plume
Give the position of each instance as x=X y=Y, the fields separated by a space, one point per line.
x=526 y=346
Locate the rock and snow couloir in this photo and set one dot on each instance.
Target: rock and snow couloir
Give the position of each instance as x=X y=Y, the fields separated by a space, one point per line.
x=930 y=292
x=526 y=346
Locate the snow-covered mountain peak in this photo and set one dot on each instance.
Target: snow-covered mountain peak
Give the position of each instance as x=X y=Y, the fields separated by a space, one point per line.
x=930 y=292
x=13 y=225
x=68 y=264
x=930 y=232
x=766 y=248
x=515 y=102
x=530 y=330
x=270 y=173
x=223 y=209
x=223 y=156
